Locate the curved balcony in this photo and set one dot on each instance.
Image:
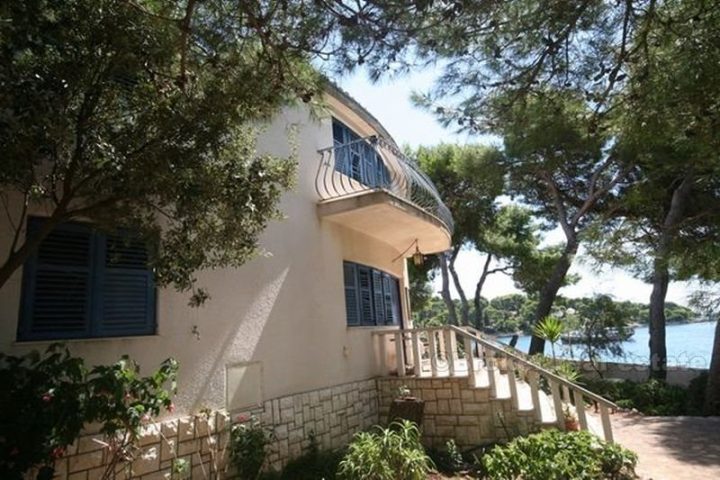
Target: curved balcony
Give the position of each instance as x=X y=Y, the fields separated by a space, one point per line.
x=370 y=186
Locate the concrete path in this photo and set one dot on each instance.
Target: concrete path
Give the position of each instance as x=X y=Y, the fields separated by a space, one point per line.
x=671 y=448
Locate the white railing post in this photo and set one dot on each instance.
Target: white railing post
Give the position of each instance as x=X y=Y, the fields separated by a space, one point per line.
x=399 y=356
x=607 y=426
x=580 y=409
x=417 y=355
x=433 y=353
x=512 y=383
x=535 y=393
x=383 y=354
x=467 y=341
x=557 y=403
x=490 y=365
x=449 y=353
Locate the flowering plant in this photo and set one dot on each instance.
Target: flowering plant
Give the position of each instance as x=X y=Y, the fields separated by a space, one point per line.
x=248 y=446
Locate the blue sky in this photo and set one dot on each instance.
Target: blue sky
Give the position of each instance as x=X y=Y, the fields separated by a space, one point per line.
x=389 y=101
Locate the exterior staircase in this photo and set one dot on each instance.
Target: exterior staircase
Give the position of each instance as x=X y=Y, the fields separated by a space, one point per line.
x=475 y=371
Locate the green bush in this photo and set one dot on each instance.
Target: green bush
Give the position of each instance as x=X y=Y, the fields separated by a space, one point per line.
x=393 y=453
x=248 y=447
x=47 y=399
x=313 y=465
x=554 y=455
x=653 y=397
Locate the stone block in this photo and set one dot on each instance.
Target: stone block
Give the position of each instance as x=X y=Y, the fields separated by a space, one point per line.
x=169 y=428
x=202 y=426
x=78 y=476
x=445 y=431
x=468 y=420
x=96 y=473
x=90 y=443
x=482 y=395
x=222 y=421
x=286 y=402
x=445 y=393
x=430 y=408
x=149 y=434
x=455 y=405
x=446 y=420
x=467 y=396
x=148 y=461
x=188 y=447
x=186 y=429
x=476 y=408
x=443 y=407
x=85 y=461
x=287 y=414
x=281 y=432
x=168 y=449
x=160 y=475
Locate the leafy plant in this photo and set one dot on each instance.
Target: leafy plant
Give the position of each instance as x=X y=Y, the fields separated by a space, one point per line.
x=248 y=448
x=393 y=453
x=312 y=465
x=49 y=398
x=554 y=455
x=653 y=397
x=550 y=329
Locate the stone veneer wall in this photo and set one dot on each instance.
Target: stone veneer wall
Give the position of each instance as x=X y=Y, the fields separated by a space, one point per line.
x=331 y=414
x=455 y=410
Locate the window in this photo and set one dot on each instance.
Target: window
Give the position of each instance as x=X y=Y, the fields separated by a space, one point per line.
x=372 y=297
x=357 y=158
x=81 y=283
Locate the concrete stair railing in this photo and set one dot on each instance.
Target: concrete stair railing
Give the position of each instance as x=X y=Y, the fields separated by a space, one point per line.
x=452 y=351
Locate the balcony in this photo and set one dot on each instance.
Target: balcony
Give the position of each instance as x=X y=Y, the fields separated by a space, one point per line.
x=368 y=185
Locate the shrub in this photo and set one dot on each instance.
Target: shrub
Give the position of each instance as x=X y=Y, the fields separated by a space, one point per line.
x=653 y=397
x=47 y=399
x=248 y=447
x=313 y=465
x=393 y=453
x=554 y=455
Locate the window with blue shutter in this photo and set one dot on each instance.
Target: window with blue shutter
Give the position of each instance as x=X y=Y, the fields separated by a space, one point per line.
x=358 y=159
x=372 y=297
x=82 y=284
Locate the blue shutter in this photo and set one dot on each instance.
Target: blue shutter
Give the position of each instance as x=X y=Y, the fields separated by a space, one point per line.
x=395 y=299
x=378 y=297
x=366 y=302
x=352 y=307
x=127 y=290
x=57 y=285
x=387 y=299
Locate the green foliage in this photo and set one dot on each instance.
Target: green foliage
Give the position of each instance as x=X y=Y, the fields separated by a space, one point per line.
x=653 y=397
x=550 y=328
x=248 y=447
x=393 y=453
x=554 y=455
x=315 y=464
x=47 y=399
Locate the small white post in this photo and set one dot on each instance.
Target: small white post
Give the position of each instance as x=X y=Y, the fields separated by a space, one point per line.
x=557 y=403
x=472 y=381
x=607 y=426
x=399 y=357
x=580 y=409
x=535 y=393
x=490 y=363
x=433 y=353
x=512 y=382
x=417 y=355
x=449 y=353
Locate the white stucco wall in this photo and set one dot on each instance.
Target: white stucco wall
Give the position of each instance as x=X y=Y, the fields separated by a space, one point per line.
x=284 y=311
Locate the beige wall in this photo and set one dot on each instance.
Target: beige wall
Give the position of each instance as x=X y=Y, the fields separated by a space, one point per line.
x=284 y=310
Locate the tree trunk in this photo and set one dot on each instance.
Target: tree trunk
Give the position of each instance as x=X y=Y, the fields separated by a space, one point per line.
x=661 y=277
x=658 y=350
x=445 y=291
x=479 y=322
x=550 y=290
x=464 y=306
x=712 y=391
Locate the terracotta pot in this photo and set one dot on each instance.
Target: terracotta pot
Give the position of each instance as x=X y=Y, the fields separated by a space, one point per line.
x=572 y=425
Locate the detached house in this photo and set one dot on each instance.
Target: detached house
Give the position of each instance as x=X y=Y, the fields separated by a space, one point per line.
x=314 y=338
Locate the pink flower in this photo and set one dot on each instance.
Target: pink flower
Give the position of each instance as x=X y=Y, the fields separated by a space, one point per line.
x=47 y=397
x=242 y=418
x=58 y=452
x=145 y=418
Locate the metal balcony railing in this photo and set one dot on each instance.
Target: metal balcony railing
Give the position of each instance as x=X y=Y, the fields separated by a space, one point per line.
x=373 y=163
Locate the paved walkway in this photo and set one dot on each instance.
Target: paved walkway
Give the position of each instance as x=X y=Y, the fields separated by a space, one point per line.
x=671 y=448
